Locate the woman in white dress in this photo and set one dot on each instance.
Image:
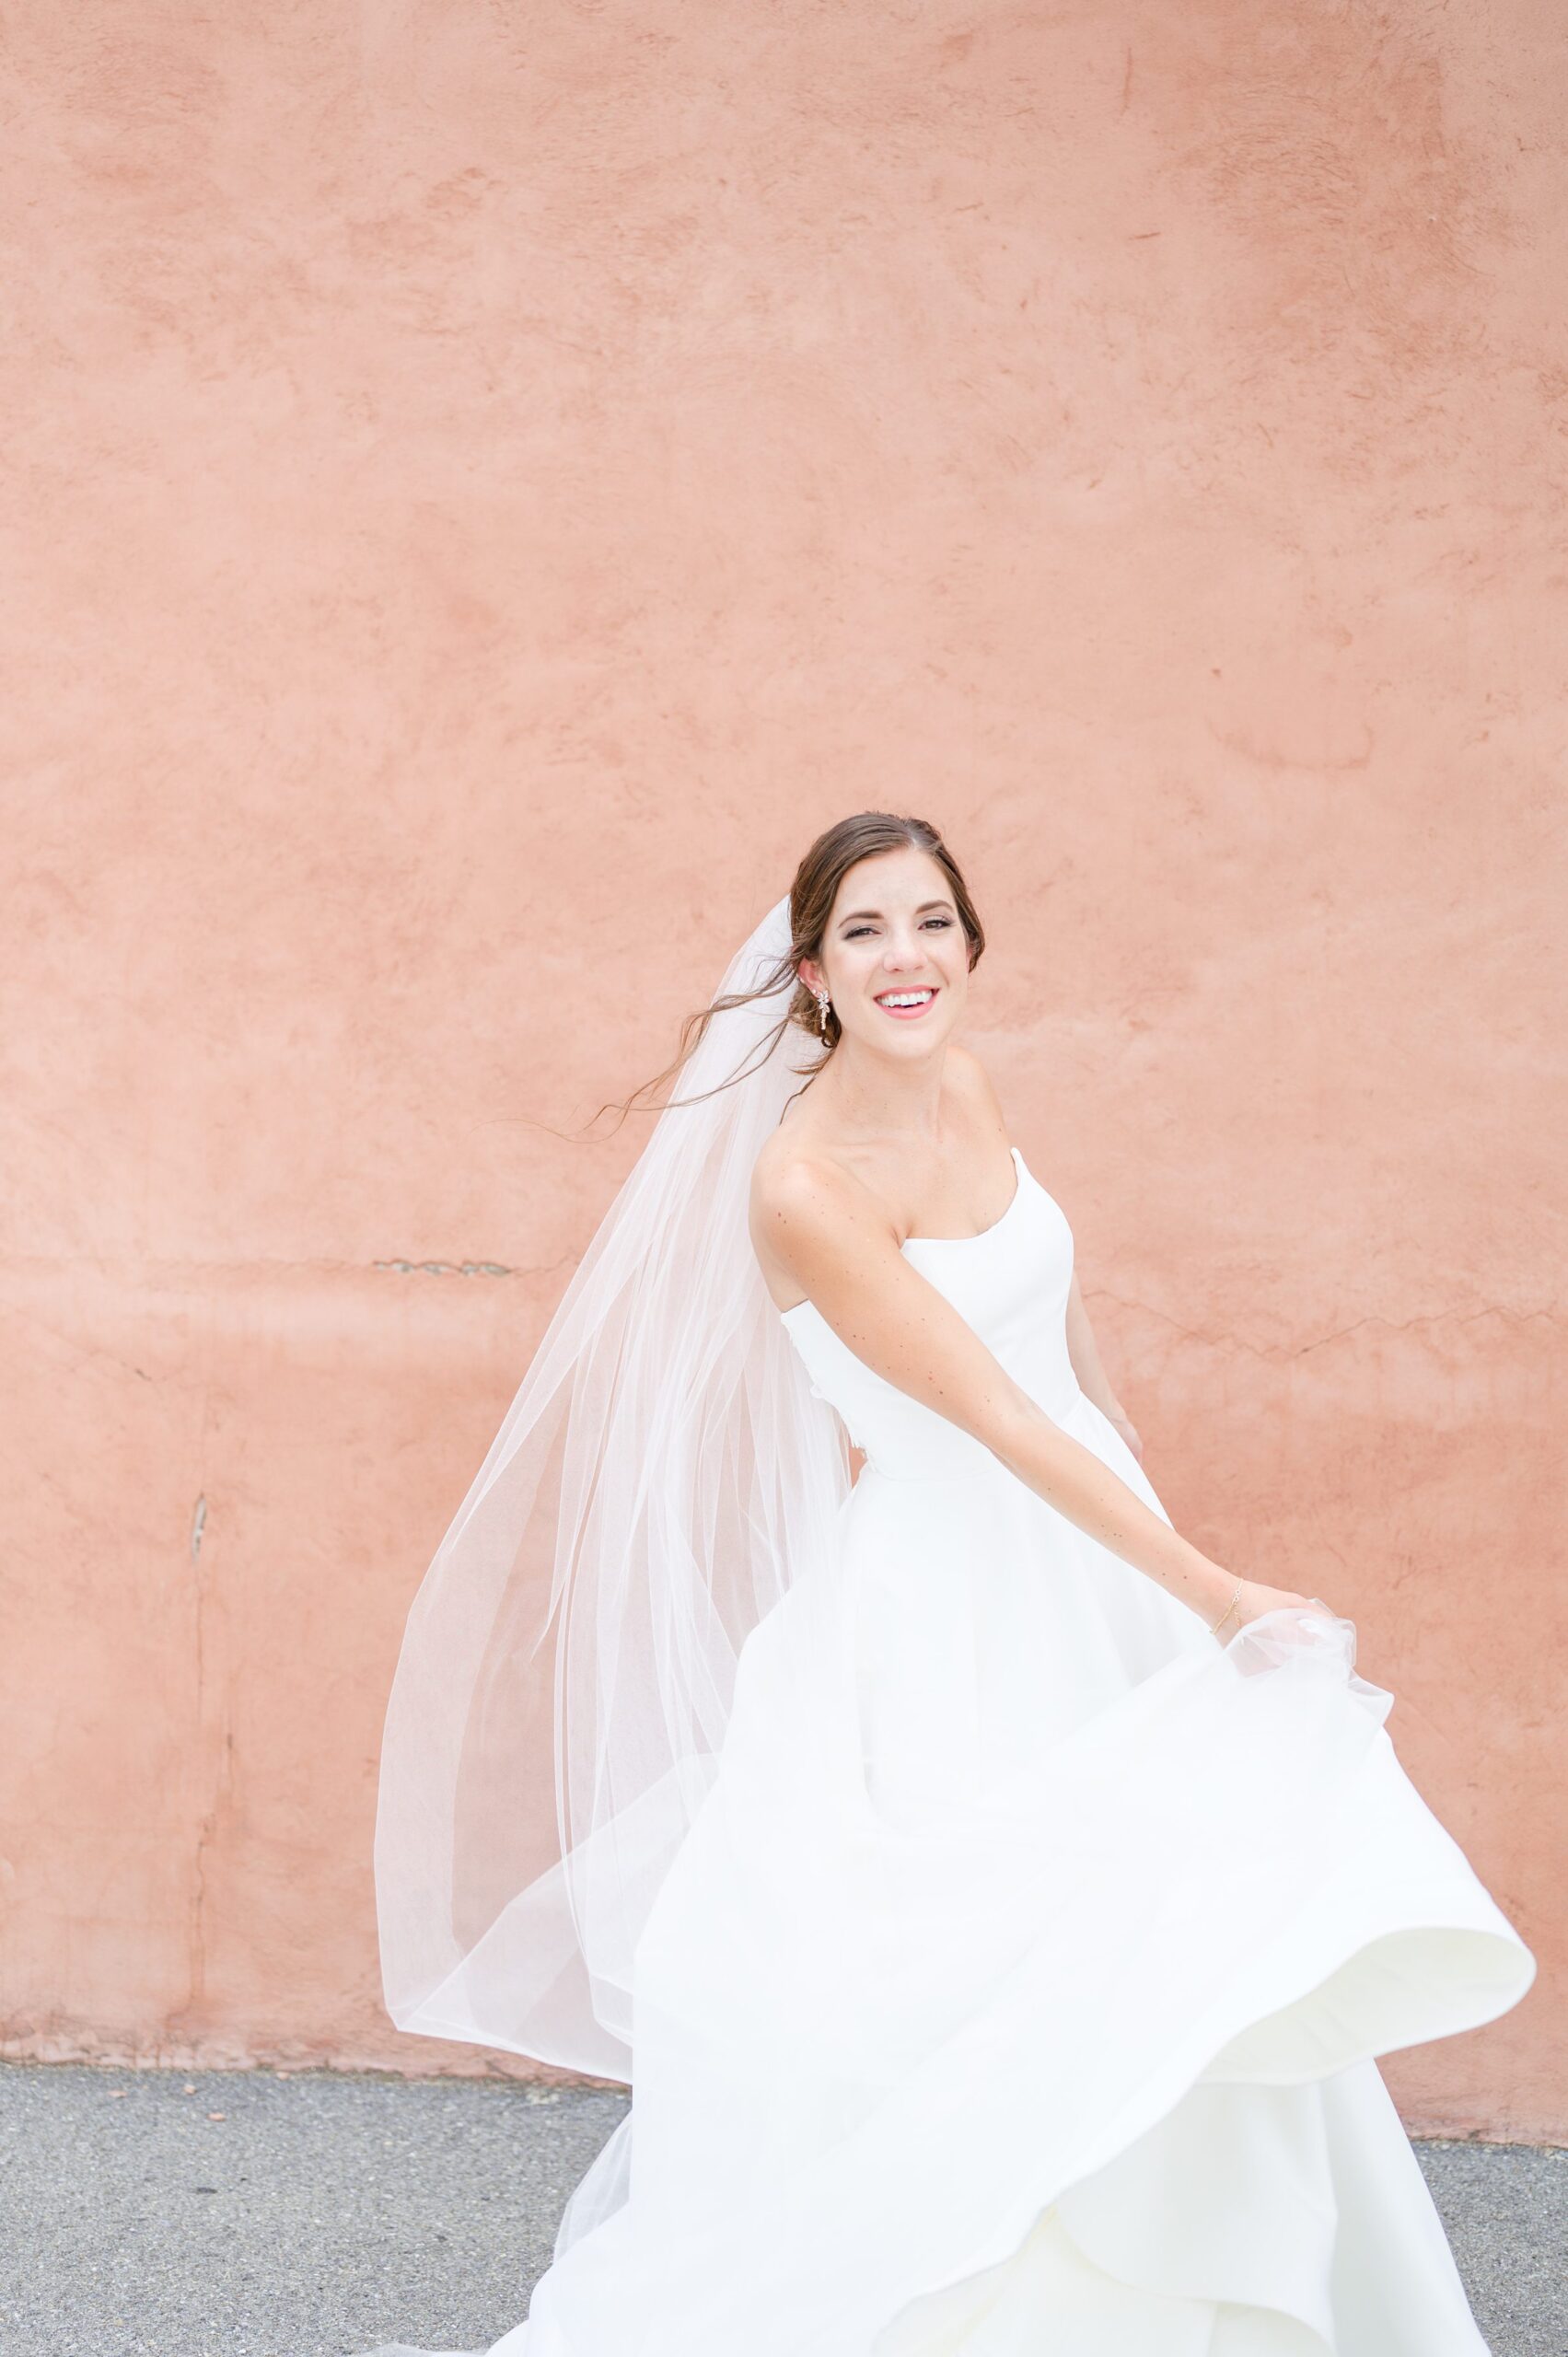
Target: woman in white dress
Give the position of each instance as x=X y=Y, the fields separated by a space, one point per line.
x=995 y=1904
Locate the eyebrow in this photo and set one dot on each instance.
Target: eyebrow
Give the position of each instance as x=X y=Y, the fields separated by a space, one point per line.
x=854 y=914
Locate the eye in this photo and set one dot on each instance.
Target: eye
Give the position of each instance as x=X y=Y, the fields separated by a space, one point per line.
x=946 y=923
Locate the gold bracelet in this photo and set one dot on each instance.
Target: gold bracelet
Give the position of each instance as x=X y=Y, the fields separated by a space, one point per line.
x=1224 y=1616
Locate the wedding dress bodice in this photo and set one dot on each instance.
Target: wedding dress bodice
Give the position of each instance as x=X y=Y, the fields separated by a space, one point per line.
x=1010 y=1282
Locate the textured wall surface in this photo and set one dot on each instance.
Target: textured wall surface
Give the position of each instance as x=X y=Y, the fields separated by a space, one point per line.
x=483 y=485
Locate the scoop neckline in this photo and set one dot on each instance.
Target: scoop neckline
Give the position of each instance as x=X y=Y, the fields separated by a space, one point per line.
x=978 y=1237
x=980 y=1232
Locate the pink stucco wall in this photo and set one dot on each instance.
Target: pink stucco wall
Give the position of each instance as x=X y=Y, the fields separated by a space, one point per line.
x=483 y=485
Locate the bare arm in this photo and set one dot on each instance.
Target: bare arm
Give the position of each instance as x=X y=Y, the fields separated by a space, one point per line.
x=1084 y=1352
x=1093 y=1380
x=812 y=1219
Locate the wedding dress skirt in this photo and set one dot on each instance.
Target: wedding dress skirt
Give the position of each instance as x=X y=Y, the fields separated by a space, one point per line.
x=1016 y=1989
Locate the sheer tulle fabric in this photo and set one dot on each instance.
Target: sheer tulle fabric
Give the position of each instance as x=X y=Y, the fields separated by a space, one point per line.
x=1012 y=1977
x=661 y=1476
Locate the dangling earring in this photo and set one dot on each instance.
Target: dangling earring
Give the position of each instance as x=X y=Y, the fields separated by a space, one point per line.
x=824 y=1008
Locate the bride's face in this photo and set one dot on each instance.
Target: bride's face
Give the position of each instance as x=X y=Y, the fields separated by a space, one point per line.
x=894 y=957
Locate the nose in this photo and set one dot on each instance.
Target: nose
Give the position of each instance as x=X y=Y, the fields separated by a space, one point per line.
x=904 y=951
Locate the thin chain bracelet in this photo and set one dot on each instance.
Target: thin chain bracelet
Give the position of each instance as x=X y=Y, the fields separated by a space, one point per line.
x=1224 y=1616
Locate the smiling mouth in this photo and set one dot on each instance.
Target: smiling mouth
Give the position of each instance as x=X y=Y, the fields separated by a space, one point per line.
x=905 y=1006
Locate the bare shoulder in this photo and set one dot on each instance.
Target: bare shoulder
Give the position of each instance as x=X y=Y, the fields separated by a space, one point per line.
x=800 y=1188
x=810 y=1217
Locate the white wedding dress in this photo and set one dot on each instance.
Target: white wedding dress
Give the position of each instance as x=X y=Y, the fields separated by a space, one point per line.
x=1016 y=1991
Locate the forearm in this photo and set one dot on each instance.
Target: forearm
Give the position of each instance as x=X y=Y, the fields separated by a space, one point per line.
x=1079 y=1484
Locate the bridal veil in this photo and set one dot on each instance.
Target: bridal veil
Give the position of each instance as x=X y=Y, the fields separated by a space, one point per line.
x=567 y=1671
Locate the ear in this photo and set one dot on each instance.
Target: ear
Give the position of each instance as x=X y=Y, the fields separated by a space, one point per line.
x=810 y=974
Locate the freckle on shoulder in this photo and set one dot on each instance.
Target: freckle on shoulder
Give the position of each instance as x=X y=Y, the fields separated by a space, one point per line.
x=787 y=1182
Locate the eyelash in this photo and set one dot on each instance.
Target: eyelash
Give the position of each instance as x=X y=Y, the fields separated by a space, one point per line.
x=857 y=930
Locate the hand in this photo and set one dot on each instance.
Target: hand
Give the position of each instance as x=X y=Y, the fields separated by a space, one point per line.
x=1128 y=1429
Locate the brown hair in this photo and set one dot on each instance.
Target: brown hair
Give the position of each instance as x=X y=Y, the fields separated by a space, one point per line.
x=811 y=898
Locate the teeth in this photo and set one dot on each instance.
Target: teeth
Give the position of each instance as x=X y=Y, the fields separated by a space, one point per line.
x=903 y=998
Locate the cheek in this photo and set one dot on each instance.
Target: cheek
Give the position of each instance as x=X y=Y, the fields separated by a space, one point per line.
x=848 y=970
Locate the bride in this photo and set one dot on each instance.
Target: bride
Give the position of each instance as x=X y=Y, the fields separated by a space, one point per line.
x=995 y=1904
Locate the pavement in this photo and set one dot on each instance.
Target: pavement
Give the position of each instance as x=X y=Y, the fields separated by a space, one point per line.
x=155 y=2213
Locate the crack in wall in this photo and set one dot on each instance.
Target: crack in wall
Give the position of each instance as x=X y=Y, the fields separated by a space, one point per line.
x=445 y=1268
x=1277 y=1353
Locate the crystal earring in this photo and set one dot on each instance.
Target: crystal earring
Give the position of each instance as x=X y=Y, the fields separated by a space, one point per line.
x=824 y=1008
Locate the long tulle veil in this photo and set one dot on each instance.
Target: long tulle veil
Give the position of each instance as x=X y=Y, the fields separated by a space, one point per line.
x=661 y=1476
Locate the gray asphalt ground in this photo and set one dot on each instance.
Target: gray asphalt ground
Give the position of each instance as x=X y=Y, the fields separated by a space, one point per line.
x=150 y=2213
